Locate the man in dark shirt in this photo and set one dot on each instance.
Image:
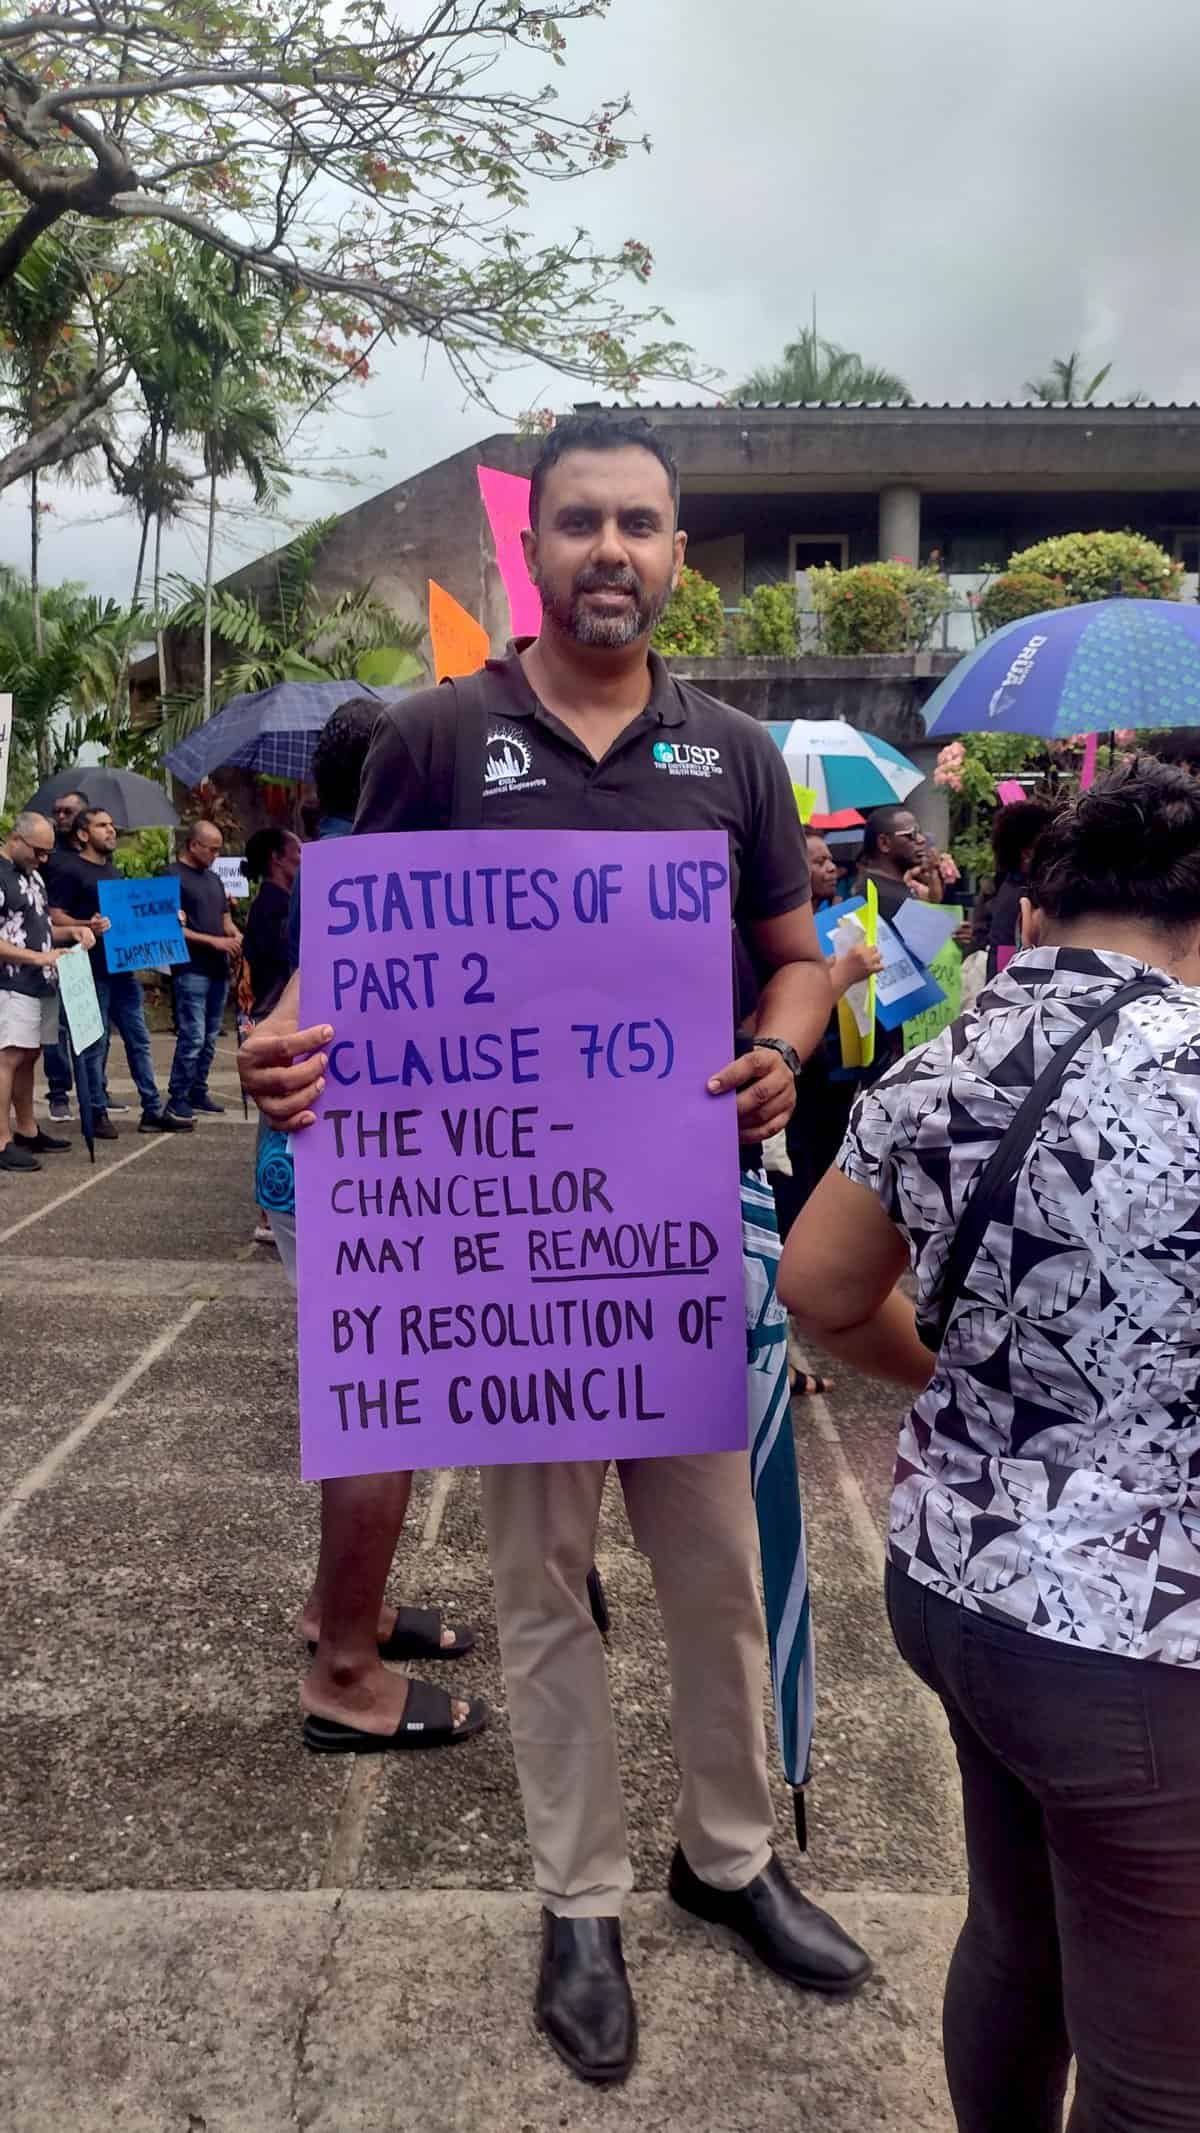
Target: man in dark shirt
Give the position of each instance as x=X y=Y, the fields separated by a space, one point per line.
x=73 y=881
x=896 y=856
x=202 y=983
x=29 y=939
x=584 y=728
x=273 y=861
x=56 y=1057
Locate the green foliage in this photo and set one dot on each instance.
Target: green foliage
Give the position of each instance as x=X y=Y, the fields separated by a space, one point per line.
x=816 y=369
x=692 y=624
x=285 y=634
x=388 y=668
x=767 y=625
x=1102 y=566
x=862 y=610
x=926 y=595
x=62 y=694
x=1067 y=380
x=149 y=852
x=389 y=162
x=970 y=768
x=1016 y=593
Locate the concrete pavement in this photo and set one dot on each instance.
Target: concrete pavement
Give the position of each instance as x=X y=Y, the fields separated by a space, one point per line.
x=205 y=1930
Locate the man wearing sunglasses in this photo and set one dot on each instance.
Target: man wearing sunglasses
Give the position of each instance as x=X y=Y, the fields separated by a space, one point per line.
x=30 y=946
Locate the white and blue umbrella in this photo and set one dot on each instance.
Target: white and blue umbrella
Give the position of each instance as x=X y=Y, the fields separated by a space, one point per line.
x=842 y=766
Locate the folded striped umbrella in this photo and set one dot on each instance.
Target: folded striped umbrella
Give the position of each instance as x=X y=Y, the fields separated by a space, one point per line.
x=776 y=1488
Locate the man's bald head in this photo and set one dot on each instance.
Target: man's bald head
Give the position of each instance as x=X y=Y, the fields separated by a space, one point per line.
x=203 y=844
x=30 y=841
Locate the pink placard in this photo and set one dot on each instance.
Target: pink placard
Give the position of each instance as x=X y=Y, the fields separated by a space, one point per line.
x=1008 y=790
x=518 y=1217
x=1087 y=769
x=506 y=501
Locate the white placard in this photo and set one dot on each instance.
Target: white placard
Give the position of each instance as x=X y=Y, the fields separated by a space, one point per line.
x=232 y=875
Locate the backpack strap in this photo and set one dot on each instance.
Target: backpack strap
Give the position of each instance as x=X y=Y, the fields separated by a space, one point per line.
x=459 y=739
x=1005 y=1162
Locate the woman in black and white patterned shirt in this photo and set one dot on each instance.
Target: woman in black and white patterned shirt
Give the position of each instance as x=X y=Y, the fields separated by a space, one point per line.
x=1044 y=1537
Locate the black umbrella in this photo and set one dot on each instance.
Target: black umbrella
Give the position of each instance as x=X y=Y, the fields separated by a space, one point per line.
x=133 y=802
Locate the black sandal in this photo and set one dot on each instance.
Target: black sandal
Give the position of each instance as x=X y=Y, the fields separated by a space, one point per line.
x=428 y=1722
x=418 y=1635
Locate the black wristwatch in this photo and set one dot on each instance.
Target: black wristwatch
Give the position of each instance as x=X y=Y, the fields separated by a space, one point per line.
x=790 y=1058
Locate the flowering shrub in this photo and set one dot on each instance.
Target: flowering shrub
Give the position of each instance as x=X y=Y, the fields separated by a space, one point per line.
x=766 y=625
x=693 y=621
x=948 y=769
x=1097 y=566
x=879 y=607
x=862 y=610
x=1016 y=593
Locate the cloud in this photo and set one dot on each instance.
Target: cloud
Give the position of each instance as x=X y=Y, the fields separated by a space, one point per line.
x=967 y=192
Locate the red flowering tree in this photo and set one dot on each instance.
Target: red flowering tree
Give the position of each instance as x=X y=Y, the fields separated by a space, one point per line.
x=381 y=167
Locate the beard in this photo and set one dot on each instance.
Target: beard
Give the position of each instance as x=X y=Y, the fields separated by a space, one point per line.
x=611 y=631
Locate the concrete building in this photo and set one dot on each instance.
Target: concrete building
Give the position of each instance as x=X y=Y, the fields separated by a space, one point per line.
x=767 y=492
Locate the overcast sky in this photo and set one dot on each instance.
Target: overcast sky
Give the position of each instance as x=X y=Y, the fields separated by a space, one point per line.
x=967 y=191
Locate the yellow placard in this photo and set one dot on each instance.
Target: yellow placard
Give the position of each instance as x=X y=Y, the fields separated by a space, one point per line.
x=806 y=801
x=460 y=645
x=857 y=1050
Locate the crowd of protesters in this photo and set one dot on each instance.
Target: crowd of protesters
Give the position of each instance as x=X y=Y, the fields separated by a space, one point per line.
x=1003 y=1223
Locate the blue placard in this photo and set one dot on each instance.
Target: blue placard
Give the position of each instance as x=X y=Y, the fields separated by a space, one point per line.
x=145 y=931
x=906 y=988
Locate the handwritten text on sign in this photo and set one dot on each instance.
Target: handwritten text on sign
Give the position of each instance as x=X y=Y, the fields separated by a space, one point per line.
x=145 y=933
x=517 y=1213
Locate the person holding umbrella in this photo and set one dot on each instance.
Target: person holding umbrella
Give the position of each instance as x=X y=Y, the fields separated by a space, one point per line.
x=30 y=946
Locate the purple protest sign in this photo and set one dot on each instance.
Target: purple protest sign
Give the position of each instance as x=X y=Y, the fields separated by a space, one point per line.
x=518 y=1217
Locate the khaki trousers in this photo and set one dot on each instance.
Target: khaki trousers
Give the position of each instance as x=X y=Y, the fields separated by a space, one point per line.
x=694 y=1520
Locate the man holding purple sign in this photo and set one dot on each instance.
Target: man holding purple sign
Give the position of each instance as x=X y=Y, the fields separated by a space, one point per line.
x=584 y=729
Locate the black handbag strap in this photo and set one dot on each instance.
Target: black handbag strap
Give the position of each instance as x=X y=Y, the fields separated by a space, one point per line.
x=1008 y=1156
x=459 y=741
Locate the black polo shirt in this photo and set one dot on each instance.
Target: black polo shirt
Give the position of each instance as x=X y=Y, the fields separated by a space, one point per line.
x=686 y=762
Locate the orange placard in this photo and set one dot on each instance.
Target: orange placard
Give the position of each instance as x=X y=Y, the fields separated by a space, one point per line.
x=460 y=644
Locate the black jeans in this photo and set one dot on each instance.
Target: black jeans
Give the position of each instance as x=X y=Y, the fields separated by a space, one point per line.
x=1081 y=1798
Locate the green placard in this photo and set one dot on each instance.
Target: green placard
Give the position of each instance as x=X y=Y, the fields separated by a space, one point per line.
x=946 y=969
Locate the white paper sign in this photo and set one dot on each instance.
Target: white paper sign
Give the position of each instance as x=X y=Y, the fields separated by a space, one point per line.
x=77 y=990
x=232 y=876
x=925 y=928
x=851 y=933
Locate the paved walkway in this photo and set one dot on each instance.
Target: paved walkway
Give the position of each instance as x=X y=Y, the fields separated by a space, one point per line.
x=205 y=1930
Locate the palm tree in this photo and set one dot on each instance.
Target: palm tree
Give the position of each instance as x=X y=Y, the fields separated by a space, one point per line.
x=67 y=678
x=1065 y=381
x=42 y=361
x=816 y=369
x=239 y=434
x=285 y=634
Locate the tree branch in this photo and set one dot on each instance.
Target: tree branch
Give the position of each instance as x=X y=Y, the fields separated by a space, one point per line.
x=67 y=436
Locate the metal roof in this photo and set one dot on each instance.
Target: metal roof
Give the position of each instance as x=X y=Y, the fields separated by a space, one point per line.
x=906 y=407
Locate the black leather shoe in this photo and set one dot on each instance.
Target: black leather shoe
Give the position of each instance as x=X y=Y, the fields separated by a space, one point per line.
x=786 y=1932
x=584 y=2006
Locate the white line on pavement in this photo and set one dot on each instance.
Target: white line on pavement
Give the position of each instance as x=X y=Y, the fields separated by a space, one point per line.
x=40 y=1476
x=439 y=1497
x=107 y=1171
x=866 y=1532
